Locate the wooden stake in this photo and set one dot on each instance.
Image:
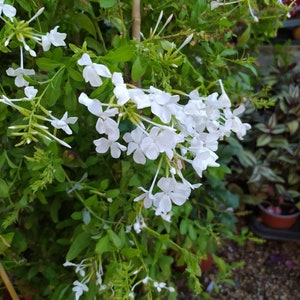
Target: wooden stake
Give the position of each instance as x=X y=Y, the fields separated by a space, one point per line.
x=136 y=17
x=8 y=283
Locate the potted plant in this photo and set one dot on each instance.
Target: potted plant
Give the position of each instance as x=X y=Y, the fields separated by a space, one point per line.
x=268 y=162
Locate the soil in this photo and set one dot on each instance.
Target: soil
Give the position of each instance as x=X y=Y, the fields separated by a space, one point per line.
x=271 y=271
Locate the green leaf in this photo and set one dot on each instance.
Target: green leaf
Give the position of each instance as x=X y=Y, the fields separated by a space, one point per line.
x=138 y=69
x=244 y=38
x=59 y=173
x=263 y=140
x=116 y=240
x=130 y=252
x=5 y=241
x=86 y=23
x=103 y=245
x=192 y=232
x=4 y=189
x=47 y=64
x=107 y=3
x=80 y=242
x=112 y=193
x=77 y=76
x=228 y=52
x=9 y=162
x=183 y=226
x=54 y=92
x=104 y=184
x=121 y=54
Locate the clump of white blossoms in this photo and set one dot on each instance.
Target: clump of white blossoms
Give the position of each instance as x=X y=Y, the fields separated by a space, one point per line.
x=21 y=31
x=178 y=133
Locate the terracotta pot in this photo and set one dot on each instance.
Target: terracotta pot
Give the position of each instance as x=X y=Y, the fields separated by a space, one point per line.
x=277 y=221
x=206 y=263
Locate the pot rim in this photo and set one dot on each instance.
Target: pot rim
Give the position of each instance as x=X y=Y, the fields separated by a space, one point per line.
x=277 y=215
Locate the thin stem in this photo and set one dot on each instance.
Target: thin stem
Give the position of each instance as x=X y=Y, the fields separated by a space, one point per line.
x=8 y=283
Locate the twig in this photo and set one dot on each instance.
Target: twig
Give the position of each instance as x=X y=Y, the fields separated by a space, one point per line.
x=8 y=283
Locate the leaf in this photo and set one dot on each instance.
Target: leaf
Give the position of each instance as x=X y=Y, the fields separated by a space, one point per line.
x=54 y=92
x=228 y=52
x=121 y=54
x=192 y=232
x=103 y=245
x=263 y=140
x=86 y=23
x=112 y=193
x=138 y=69
x=47 y=64
x=4 y=189
x=183 y=226
x=107 y=3
x=5 y=241
x=130 y=252
x=293 y=126
x=243 y=39
x=59 y=173
x=116 y=240
x=9 y=162
x=80 y=242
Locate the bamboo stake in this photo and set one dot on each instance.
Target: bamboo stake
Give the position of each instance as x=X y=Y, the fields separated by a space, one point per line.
x=136 y=17
x=8 y=283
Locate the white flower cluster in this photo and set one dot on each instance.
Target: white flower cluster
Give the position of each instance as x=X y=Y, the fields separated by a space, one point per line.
x=159 y=286
x=178 y=132
x=79 y=287
x=54 y=38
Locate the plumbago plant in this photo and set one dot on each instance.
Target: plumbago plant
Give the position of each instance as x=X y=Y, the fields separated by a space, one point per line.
x=105 y=138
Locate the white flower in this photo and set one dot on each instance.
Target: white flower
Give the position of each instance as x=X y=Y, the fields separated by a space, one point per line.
x=79 y=288
x=92 y=71
x=149 y=144
x=147 y=196
x=107 y=125
x=120 y=89
x=103 y=144
x=94 y=106
x=159 y=285
x=8 y=10
x=224 y=99
x=203 y=160
x=63 y=123
x=134 y=140
x=30 y=92
x=172 y=191
x=53 y=37
x=139 y=224
x=162 y=104
x=18 y=73
x=160 y=140
x=234 y=123
x=99 y=275
x=80 y=268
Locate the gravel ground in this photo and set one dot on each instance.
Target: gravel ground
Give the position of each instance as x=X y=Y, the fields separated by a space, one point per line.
x=271 y=271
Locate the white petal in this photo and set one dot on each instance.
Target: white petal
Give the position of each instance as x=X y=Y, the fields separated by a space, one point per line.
x=85 y=60
x=102 y=70
x=102 y=145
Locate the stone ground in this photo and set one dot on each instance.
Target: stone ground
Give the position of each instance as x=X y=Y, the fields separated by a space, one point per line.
x=271 y=271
